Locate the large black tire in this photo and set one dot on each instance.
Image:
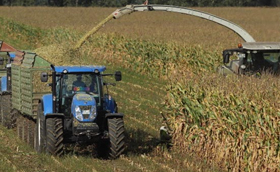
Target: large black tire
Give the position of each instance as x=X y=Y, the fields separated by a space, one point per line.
x=40 y=139
x=24 y=129
x=6 y=110
x=1 y=116
x=13 y=118
x=54 y=135
x=116 y=144
x=20 y=127
x=30 y=134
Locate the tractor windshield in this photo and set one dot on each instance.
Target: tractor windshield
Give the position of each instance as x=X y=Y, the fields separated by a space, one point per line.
x=254 y=61
x=70 y=84
x=259 y=61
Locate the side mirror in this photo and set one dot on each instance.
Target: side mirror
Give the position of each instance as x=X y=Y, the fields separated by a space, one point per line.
x=1 y=60
x=44 y=77
x=226 y=58
x=118 y=76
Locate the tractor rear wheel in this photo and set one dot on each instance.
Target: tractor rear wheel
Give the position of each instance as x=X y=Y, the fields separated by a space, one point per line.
x=54 y=133
x=116 y=137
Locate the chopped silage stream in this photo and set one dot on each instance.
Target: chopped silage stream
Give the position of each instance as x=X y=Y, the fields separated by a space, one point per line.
x=64 y=54
x=59 y=54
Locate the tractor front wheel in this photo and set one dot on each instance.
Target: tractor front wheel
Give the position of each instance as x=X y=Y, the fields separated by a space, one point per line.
x=116 y=133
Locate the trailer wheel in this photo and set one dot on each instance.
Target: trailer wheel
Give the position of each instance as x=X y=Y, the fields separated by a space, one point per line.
x=24 y=129
x=116 y=133
x=54 y=133
x=20 y=127
x=6 y=110
x=39 y=139
x=13 y=118
x=30 y=134
x=1 y=116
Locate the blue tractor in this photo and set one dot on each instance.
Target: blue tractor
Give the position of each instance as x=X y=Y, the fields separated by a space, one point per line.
x=74 y=106
x=79 y=110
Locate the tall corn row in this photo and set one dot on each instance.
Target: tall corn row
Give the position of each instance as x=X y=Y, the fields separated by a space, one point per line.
x=231 y=121
x=163 y=60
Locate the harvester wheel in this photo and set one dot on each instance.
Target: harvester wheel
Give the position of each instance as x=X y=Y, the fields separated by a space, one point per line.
x=54 y=133
x=116 y=143
x=40 y=139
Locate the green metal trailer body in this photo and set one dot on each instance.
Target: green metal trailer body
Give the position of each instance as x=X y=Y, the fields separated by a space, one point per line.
x=27 y=89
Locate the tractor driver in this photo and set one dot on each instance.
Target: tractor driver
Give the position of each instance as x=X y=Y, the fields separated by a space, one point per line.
x=260 y=63
x=79 y=82
x=92 y=86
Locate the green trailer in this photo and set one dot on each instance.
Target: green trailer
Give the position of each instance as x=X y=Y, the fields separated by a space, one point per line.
x=7 y=55
x=27 y=88
x=19 y=104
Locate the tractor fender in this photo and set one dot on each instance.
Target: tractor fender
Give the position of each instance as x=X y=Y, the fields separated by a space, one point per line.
x=114 y=115
x=4 y=83
x=48 y=107
x=47 y=104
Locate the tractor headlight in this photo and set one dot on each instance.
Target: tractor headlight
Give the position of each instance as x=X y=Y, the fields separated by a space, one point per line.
x=243 y=67
x=93 y=113
x=79 y=115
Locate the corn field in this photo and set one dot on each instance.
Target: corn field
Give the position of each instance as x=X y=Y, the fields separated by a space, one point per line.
x=230 y=121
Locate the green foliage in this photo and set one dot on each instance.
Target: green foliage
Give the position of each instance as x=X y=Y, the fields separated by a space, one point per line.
x=161 y=60
x=228 y=114
x=18 y=34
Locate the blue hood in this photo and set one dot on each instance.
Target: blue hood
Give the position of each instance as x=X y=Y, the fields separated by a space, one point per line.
x=84 y=105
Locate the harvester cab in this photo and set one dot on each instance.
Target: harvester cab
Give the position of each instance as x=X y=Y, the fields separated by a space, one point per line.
x=252 y=58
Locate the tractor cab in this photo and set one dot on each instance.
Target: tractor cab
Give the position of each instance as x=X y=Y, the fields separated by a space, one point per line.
x=77 y=94
x=252 y=58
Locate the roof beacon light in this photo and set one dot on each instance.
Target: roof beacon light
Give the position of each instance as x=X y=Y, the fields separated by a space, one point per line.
x=240 y=45
x=96 y=71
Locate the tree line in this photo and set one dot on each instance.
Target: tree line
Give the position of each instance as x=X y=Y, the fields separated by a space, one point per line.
x=121 y=3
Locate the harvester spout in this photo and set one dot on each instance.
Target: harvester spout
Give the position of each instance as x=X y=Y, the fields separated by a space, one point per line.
x=123 y=11
x=183 y=10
